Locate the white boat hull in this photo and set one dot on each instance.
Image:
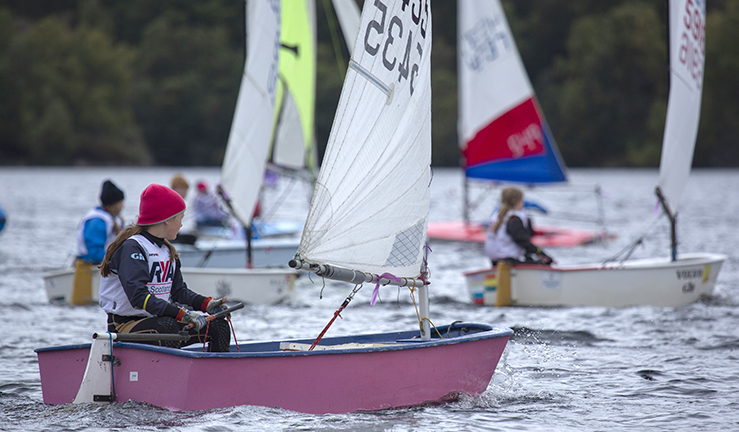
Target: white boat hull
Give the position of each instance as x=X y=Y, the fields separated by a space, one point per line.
x=255 y=286
x=654 y=281
x=59 y=283
x=225 y=254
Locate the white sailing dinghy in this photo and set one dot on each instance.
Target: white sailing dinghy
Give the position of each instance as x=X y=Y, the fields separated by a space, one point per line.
x=249 y=142
x=368 y=213
x=291 y=147
x=503 y=134
x=242 y=174
x=671 y=281
x=279 y=134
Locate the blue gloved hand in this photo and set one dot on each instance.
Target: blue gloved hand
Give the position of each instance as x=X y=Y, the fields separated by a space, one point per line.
x=198 y=321
x=215 y=305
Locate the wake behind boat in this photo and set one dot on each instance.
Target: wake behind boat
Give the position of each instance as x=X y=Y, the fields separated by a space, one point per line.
x=674 y=280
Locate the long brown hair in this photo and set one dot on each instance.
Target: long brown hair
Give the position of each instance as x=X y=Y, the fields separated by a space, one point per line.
x=129 y=231
x=509 y=197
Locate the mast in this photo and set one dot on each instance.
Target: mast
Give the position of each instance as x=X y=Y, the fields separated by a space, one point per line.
x=673 y=222
x=369 y=212
x=686 y=42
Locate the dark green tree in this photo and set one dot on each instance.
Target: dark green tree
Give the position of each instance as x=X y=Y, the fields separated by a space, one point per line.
x=185 y=94
x=719 y=126
x=66 y=97
x=607 y=105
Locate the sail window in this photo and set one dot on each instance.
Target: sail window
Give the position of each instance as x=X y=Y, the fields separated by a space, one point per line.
x=407 y=245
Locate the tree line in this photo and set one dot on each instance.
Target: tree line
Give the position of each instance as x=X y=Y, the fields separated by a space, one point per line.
x=140 y=82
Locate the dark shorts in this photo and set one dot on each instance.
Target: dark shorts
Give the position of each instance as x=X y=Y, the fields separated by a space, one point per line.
x=217 y=334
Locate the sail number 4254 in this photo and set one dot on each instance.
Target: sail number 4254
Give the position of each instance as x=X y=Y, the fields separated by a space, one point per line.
x=394 y=32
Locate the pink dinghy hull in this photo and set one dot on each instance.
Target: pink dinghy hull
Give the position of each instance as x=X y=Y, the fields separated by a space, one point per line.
x=544 y=236
x=380 y=371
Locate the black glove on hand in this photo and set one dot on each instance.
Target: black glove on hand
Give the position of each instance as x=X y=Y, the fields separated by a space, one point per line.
x=544 y=258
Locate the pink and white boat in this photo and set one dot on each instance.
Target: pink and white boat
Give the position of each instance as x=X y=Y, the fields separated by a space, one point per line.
x=367 y=224
x=342 y=374
x=504 y=137
x=544 y=236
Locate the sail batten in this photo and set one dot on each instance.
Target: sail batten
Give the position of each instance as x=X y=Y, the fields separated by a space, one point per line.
x=370 y=207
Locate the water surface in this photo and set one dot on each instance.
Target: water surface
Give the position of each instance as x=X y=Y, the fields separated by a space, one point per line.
x=637 y=368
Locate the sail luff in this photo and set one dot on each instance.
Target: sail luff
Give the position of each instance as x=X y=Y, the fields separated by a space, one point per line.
x=503 y=133
x=370 y=207
x=687 y=57
x=248 y=141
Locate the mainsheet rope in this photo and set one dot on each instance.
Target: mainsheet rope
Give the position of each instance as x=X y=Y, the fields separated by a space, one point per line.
x=205 y=339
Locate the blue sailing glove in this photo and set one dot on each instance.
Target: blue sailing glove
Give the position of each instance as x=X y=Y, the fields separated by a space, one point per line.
x=215 y=305
x=198 y=321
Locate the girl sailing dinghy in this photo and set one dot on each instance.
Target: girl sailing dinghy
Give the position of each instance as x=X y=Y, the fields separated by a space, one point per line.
x=671 y=281
x=369 y=212
x=242 y=175
x=503 y=134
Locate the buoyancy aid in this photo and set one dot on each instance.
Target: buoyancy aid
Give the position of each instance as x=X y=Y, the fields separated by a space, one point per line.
x=499 y=244
x=110 y=223
x=113 y=298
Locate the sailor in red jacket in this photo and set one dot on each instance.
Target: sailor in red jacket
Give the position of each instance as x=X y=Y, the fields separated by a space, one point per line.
x=142 y=286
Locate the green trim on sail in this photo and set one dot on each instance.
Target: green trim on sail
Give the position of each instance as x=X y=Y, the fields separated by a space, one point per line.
x=297 y=68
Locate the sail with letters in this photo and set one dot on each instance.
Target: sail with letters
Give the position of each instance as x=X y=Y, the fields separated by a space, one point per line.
x=687 y=56
x=503 y=135
x=370 y=206
x=502 y=131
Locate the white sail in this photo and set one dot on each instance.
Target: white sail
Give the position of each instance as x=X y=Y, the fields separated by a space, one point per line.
x=347 y=12
x=687 y=55
x=370 y=207
x=251 y=130
x=502 y=131
x=492 y=77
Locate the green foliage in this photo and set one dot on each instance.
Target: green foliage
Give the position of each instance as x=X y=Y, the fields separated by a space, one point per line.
x=445 y=151
x=142 y=81
x=67 y=98
x=609 y=88
x=185 y=94
x=719 y=125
